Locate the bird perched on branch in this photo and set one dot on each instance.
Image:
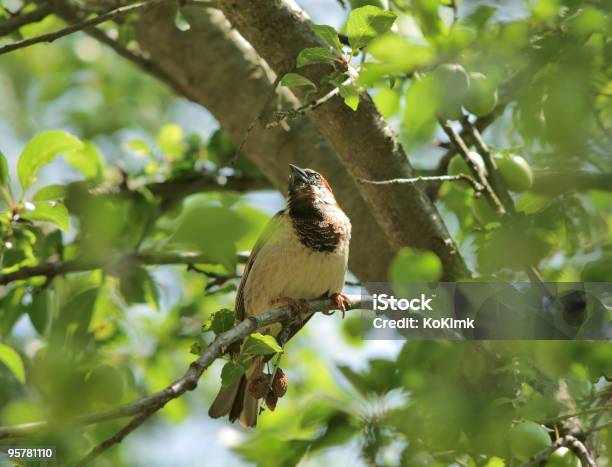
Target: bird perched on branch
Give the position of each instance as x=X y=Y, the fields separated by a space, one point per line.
x=301 y=255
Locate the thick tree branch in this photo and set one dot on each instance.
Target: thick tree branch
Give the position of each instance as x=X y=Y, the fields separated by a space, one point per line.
x=551 y=182
x=170 y=192
x=232 y=89
x=146 y=406
x=53 y=269
x=13 y=24
x=362 y=139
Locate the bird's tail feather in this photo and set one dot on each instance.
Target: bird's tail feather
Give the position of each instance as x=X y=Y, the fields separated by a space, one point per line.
x=225 y=400
x=234 y=400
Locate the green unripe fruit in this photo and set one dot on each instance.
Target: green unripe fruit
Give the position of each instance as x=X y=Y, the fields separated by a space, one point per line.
x=106 y=384
x=453 y=83
x=457 y=165
x=527 y=439
x=483 y=211
x=449 y=110
x=481 y=98
x=452 y=79
x=563 y=457
x=515 y=172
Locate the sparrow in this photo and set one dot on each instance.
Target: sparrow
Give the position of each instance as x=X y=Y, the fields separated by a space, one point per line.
x=301 y=255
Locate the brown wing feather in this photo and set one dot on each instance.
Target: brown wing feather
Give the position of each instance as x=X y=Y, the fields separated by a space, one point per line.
x=270 y=227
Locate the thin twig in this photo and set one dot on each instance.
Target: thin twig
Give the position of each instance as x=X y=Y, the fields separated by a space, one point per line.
x=568 y=441
x=605 y=397
x=282 y=340
x=117 y=437
x=598 y=427
x=215 y=280
x=52 y=36
x=590 y=410
x=189 y=380
x=506 y=92
x=13 y=24
x=283 y=115
x=258 y=117
x=493 y=175
x=457 y=140
x=136 y=57
x=436 y=178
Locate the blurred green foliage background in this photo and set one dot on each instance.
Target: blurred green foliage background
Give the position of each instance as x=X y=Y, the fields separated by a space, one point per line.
x=98 y=158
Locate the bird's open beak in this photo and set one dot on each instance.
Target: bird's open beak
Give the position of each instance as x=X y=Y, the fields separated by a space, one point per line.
x=297 y=174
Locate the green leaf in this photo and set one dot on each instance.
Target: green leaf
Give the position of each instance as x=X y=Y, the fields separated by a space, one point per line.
x=209 y=229
x=495 y=462
x=49 y=211
x=328 y=34
x=258 y=344
x=4 y=171
x=231 y=372
x=401 y=54
x=51 y=193
x=531 y=203
x=10 y=307
x=39 y=309
x=139 y=146
x=411 y=265
x=314 y=55
x=41 y=150
x=420 y=110
x=75 y=314
x=86 y=160
x=170 y=140
x=126 y=34
x=366 y=23
x=181 y=22
x=219 y=322
x=294 y=80
x=387 y=102
x=13 y=361
x=137 y=286
x=350 y=94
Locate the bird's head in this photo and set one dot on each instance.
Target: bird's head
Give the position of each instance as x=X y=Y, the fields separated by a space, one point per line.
x=308 y=189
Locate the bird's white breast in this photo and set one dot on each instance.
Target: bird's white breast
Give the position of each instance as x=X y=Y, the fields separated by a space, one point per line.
x=284 y=267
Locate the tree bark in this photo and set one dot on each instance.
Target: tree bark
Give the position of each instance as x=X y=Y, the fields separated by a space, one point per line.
x=224 y=74
x=362 y=139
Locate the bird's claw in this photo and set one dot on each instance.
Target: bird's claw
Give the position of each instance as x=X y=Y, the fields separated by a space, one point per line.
x=341 y=301
x=298 y=307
